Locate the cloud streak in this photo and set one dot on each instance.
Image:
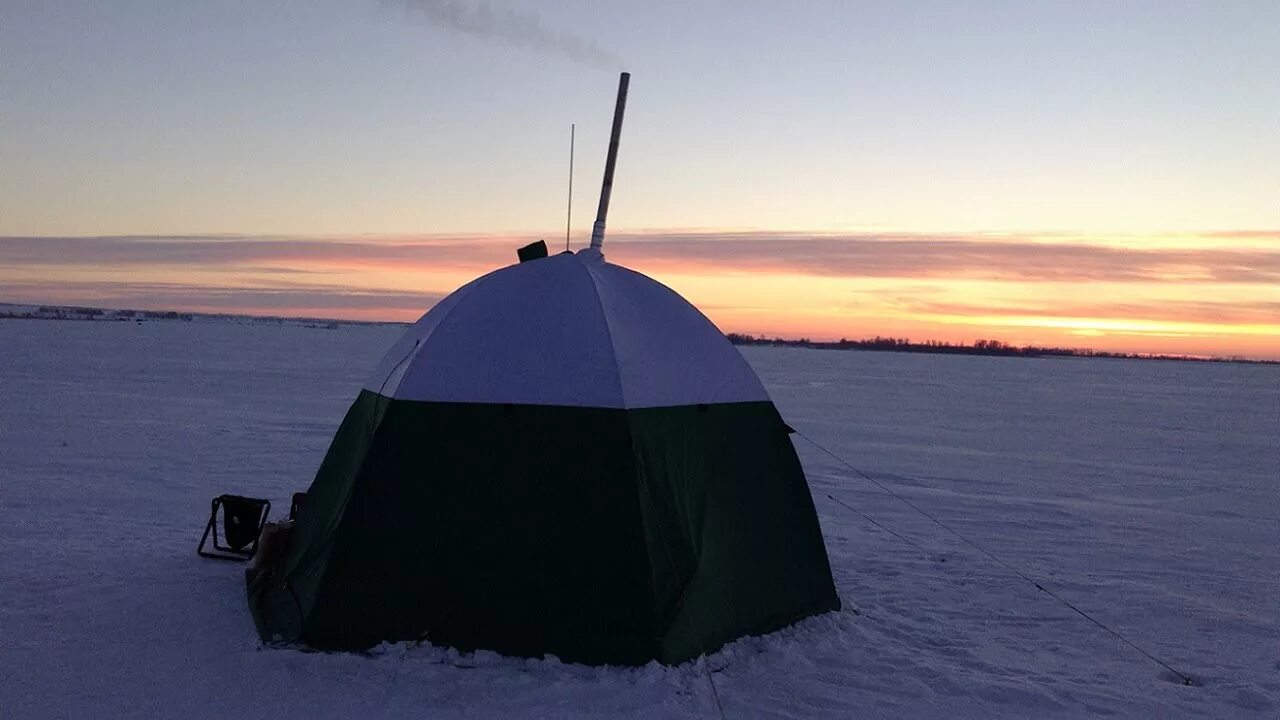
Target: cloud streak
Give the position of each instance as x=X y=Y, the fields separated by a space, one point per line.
x=973 y=257
x=1190 y=311
x=851 y=255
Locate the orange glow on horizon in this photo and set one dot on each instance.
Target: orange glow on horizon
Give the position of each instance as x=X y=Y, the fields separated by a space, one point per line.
x=1212 y=294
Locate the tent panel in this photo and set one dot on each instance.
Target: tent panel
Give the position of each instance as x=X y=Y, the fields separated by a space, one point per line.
x=390 y=371
x=491 y=526
x=728 y=510
x=668 y=353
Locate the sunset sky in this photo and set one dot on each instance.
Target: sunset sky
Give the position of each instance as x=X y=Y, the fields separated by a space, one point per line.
x=1100 y=175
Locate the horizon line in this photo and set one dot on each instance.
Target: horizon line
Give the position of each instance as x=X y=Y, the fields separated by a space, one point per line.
x=1083 y=352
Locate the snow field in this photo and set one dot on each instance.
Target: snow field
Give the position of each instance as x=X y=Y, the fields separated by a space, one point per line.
x=1144 y=492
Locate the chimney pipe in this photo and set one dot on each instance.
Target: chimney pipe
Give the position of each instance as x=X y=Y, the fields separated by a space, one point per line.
x=597 y=231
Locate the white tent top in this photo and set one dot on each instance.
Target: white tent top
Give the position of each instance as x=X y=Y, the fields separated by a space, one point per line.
x=569 y=330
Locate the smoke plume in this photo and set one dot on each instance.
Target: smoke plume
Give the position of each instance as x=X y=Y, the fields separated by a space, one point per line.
x=479 y=18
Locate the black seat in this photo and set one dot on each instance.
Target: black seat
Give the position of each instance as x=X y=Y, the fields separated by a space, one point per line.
x=242 y=521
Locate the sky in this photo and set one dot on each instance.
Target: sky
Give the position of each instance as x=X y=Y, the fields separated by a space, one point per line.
x=1087 y=174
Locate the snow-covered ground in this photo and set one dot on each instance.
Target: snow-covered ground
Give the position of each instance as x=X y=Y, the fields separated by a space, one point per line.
x=1147 y=493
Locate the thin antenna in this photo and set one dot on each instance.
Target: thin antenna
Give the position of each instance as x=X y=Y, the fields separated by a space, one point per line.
x=568 y=223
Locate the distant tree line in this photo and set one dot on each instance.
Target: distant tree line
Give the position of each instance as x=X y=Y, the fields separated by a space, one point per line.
x=979 y=347
x=72 y=312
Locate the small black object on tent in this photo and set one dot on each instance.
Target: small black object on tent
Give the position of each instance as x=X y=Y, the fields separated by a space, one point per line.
x=532 y=251
x=562 y=457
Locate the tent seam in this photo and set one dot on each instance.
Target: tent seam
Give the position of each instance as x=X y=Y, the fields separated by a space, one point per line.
x=613 y=350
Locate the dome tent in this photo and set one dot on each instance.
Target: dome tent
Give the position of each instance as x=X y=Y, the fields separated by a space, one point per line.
x=561 y=457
